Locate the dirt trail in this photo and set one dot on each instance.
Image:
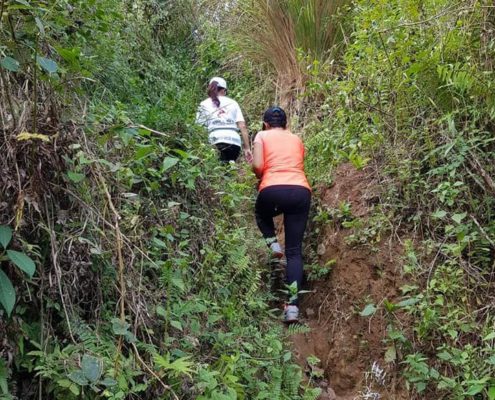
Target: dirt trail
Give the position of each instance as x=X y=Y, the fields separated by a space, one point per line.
x=346 y=343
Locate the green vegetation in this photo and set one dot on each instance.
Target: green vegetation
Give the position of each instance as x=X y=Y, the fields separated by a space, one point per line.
x=149 y=275
x=413 y=101
x=129 y=265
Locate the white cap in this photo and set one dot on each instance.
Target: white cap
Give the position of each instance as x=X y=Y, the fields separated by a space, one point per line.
x=221 y=82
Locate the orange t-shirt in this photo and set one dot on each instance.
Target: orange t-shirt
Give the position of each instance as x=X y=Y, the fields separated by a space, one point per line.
x=283 y=157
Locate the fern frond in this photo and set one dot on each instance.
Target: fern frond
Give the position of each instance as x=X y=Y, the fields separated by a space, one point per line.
x=292 y=381
x=312 y=393
x=296 y=329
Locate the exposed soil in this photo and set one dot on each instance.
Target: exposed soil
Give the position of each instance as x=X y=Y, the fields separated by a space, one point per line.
x=346 y=343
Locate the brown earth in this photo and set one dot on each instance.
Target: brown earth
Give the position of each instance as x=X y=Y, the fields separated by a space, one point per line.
x=346 y=343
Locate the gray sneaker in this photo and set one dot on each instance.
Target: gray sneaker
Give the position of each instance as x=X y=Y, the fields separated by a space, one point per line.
x=291 y=314
x=276 y=249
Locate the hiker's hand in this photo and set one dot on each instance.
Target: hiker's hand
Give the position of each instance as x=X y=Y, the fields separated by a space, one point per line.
x=249 y=155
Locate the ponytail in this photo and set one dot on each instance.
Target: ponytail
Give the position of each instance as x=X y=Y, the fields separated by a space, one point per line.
x=213 y=93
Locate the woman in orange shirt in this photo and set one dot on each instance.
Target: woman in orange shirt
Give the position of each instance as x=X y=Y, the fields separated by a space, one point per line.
x=278 y=160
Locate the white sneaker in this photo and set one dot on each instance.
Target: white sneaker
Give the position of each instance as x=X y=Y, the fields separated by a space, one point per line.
x=291 y=314
x=276 y=250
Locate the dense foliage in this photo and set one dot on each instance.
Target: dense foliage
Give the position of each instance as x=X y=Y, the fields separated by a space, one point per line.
x=129 y=267
x=414 y=101
x=148 y=276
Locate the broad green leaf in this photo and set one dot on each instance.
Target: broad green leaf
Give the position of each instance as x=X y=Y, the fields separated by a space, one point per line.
x=474 y=389
x=22 y=261
x=160 y=310
x=160 y=243
x=74 y=389
x=212 y=318
x=108 y=382
x=126 y=134
x=370 y=309
x=120 y=327
x=444 y=355
x=459 y=217
x=69 y=55
x=5 y=235
x=10 y=64
x=490 y=336
x=130 y=337
x=47 y=64
x=169 y=162
x=176 y=325
x=24 y=2
x=181 y=153
x=439 y=214
x=178 y=282
x=40 y=26
x=65 y=383
x=408 y=302
x=78 y=377
x=75 y=177
x=390 y=354
x=491 y=393
x=420 y=386
x=7 y=293
x=92 y=368
x=143 y=152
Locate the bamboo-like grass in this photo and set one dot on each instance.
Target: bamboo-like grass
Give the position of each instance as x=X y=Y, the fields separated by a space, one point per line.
x=276 y=32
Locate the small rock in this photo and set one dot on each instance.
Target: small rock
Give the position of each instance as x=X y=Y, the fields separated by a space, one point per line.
x=321 y=249
x=310 y=312
x=323 y=384
x=331 y=394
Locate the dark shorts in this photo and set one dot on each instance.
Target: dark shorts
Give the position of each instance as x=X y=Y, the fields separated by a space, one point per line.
x=228 y=152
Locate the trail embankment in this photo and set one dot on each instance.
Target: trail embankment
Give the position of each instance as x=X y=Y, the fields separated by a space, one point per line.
x=348 y=342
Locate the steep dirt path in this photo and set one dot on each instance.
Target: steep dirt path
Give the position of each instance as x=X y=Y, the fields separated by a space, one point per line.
x=348 y=344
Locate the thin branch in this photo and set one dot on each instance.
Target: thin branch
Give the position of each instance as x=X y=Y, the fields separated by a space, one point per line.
x=425 y=21
x=476 y=164
x=118 y=237
x=6 y=84
x=483 y=232
x=35 y=86
x=58 y=271
x=2 y=4
x=149 y=130
x=143 y=363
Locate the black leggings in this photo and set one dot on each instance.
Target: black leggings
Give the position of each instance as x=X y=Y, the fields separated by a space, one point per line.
x=292 y=201
x=228 y=152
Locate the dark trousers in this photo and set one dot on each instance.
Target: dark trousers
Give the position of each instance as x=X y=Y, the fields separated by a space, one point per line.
x=228 y=152
x=294 y=202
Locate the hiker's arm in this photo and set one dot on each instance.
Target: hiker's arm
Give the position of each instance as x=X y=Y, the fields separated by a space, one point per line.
x=258 y=162
x=245 y=141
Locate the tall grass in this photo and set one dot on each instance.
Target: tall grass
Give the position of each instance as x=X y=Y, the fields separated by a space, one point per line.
x=275 y=33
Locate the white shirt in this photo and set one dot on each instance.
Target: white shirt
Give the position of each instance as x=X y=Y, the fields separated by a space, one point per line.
x=221 y=122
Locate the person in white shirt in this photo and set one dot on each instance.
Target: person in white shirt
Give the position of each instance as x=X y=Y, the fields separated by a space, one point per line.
x=223 y=119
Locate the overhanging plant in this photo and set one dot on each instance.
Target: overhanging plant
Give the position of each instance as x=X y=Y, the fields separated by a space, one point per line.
x=19 y=259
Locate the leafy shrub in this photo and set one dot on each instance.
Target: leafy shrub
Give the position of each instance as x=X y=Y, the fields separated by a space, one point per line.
x=413 y=101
